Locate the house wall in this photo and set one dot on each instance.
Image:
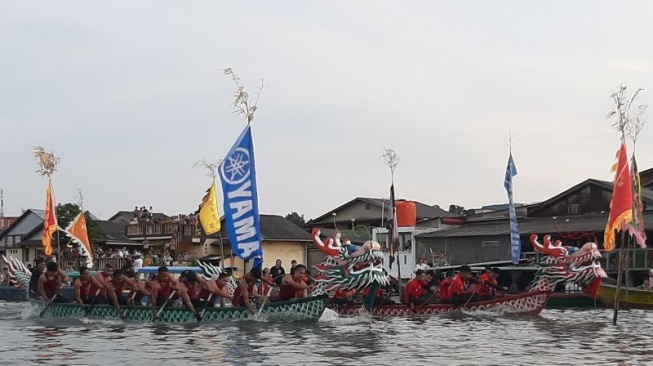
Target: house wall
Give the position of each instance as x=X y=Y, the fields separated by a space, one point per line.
x=286 y=251
x=590 y=199
x=359 y=211
x=27 y=224
x=465 y=250
x=273 y=250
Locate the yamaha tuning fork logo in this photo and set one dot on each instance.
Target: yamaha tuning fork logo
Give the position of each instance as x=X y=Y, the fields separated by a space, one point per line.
x=236 y=168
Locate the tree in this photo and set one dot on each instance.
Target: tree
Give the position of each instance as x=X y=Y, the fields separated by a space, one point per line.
x=296 y=218
x=460 y=210
x=67 y=213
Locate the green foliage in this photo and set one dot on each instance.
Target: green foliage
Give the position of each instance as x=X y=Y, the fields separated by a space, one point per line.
x=296 y=218
x=460 y=210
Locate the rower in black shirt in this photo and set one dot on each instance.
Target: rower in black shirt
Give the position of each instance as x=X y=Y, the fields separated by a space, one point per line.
x=37 y=271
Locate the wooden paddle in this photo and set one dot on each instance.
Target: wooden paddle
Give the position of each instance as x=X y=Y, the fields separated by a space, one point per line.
x=206 y=304
x=265 y=301
x=90 y=306
x=471 y=297
x=50 y=303
x=172 y=294
x=425 y=302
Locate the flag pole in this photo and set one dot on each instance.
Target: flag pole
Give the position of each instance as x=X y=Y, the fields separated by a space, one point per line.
x=620 y=274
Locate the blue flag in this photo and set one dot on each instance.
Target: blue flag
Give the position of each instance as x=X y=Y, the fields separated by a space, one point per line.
x=515 y=242
x=238 y=175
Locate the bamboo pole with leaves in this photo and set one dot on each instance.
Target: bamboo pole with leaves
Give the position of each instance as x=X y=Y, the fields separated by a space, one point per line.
x=47 y=165
x=391 y=160
x=629 y=121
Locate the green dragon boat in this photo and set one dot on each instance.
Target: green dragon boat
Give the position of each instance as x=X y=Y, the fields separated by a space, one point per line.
x=307 y=309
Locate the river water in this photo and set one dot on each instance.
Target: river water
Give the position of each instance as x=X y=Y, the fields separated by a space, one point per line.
x=558 y=337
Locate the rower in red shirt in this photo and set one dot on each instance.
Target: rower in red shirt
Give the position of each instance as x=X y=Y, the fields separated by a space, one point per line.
x=488 y=284
x=444 y=287
x=415 y=294
x=457 y=293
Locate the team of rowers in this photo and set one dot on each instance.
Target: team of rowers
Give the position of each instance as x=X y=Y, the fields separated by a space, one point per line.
x=457 y=289
x=426 y=288
x=190 y=290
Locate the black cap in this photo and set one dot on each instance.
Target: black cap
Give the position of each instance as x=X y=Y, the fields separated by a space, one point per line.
x=189 y=275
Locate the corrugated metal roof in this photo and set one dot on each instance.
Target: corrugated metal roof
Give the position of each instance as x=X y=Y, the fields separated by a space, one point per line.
x=533 y=225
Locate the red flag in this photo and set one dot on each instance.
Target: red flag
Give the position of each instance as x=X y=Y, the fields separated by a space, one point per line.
x=50 y=222
x=621 y=205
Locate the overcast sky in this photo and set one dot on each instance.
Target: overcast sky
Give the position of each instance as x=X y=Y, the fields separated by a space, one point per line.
x=130 y=94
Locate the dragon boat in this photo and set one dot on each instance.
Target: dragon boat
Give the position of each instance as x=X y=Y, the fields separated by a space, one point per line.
x=305 y=309
x=345 y=263
x=302 y=309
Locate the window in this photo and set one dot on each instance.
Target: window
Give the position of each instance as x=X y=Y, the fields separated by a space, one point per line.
x=405 y=242
x=368 y=207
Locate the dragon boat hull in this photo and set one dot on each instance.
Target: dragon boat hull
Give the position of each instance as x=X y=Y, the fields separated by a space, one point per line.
x=530 y=303
x=629 y=298
x=306 y=309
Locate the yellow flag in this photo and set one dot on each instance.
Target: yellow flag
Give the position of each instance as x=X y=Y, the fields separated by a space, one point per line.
x=209 y=214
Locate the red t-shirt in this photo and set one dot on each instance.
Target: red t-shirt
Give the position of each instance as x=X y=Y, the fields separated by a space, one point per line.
x=484 y=289
x=414 y=290
x=444 y=289
x=457 y=287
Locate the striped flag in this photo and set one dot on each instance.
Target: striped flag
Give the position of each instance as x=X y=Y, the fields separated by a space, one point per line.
x=515 y=242
x=393 y=233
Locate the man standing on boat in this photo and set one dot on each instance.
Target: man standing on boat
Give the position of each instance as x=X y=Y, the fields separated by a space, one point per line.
x=114 y=290
x=50 y=284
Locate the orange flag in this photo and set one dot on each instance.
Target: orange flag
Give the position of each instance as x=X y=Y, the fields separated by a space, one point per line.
x=50 y=222
x=621 y=205
x=77 y=231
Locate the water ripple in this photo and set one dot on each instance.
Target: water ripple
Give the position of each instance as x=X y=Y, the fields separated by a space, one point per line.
x=560 y=337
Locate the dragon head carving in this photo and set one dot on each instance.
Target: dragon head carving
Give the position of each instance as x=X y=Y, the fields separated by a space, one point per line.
x=566 y=264
x=348 y=266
